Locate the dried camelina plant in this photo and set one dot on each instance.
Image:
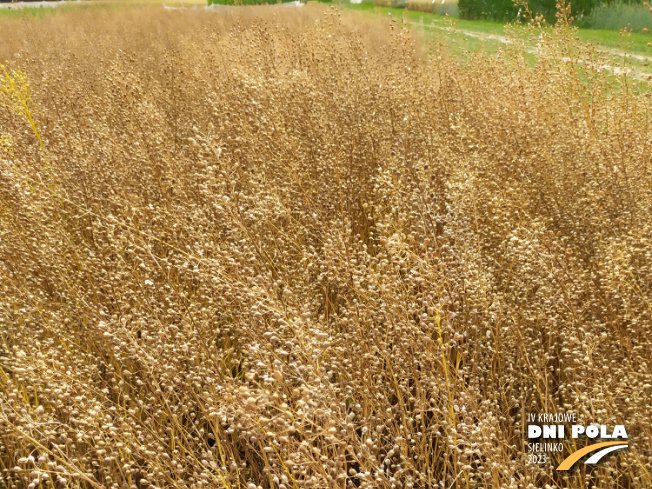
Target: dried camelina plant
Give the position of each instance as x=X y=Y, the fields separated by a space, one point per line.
x=280 y=251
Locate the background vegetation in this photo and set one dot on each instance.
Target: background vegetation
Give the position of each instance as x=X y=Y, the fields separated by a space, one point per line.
x=247 y=2
x=618 y=15
x=295 y=248
x=508 y=10
x=448 y=7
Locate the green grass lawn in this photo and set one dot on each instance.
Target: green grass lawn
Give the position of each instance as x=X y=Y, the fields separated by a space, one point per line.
x=636 y=42
x=463 y=37
x=436 y=27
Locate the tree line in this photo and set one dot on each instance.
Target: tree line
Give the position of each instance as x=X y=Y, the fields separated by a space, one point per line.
x=508 y=10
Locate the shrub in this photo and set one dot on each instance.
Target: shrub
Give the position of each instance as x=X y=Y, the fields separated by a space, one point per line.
x=618 y=15
x=506 y=10
x=487 y=9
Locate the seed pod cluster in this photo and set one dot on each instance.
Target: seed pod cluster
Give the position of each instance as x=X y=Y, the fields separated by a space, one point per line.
x=280 y=249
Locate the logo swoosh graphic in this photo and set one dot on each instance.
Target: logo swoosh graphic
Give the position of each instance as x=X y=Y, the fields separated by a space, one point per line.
x=575 y=456
x=595 y=458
